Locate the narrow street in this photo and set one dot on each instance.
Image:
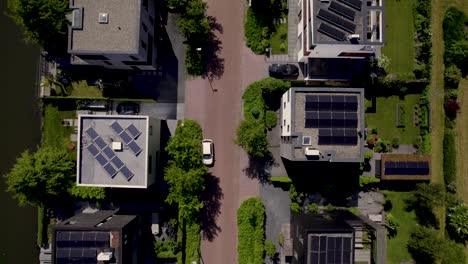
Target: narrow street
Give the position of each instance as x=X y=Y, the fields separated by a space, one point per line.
x=216 y=105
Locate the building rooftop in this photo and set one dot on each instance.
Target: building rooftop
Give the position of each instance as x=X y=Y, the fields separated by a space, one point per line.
x=405 y=167
x=327 y=124
x=347 y=22
x=104 y=26
x=112 y=151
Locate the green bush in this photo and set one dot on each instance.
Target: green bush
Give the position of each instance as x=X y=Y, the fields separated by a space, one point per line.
x=251 y=136
x=454 y=26
x=457 y=222
x=395 y=142
x=312 y=208
x=383 y=146
x=452 y=76
x=296 y=199
x=281 y=179
x=257 y=33
x=366 y=180
x=449 y=157
x=270 y=249
x=281 y=239
x=194 y=61
x=251 y=232
x=270 y=118
x=368 y=155
x=424 y=117
x=401 y=115
x=166 y=249
x=42 y=222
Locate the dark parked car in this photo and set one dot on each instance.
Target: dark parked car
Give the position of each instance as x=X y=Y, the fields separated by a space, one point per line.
x=128 y=108
x=283 y=71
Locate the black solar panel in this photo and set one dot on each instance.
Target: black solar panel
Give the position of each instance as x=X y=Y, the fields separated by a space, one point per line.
x=356 y=4
x=101 y=159
x=346 y=243
x=315 y=243
x=133 y=131
x=325 y=98
x=92 y=133
x=331 y=32
x=93 y=150
x=110 y=170
x=311 y=123
x=100 y=142
x=311 y=106
x=117 y=127
x=336 y=21
x=311 y=98
x=342 y=10
x=127 y=173
x=109 y=152
x=351 y=116
x=323 y=257
x=117 y=162
x=314 y=257
x=412 y=164
x=325 y=132
x=125 y=137
x=423 y=164
x=401 y=164
x=338 y=133
x=390 y=164
x=134 y=147
x=311 y=115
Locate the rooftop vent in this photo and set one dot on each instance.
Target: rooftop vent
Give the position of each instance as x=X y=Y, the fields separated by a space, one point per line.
x=306 y=141
x=104 y=256
x=354 y=36
x=103 y=18
x=311 y=152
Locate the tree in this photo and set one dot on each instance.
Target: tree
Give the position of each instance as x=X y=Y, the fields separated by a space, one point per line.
x=87 y=193
x=452 y=76
x=424 y=245
x=178 y=5
x=193 y=23
x=185 y=189
x=457 y=53
x=43 y=21
x=458 y=221
x=41 y=178
x=427 y=195
x=270 y=249
x=185 y=146
x=451 y=108
x=251 y=136
x=383 y=62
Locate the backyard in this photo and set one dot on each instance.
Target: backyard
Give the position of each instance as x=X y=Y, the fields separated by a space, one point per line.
x=385 y=118
x=279 y=39
x=54 y=134
x=396 y=246
x=399 y=36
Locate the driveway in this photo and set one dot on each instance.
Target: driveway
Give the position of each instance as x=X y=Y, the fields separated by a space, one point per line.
x=216 y=105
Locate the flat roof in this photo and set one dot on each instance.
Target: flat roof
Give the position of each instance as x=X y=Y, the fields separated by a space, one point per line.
x=334 y=20
x=120 y=34
x=112 y=151
x=330 y=120
x=405 y=167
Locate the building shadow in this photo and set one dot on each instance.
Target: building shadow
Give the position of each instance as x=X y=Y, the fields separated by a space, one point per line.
x=259 y=168
x=215 y=64
x=211 y=197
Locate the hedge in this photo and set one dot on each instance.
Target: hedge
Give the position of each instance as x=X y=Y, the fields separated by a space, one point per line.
x=401 y=115
x=282 y=179
x=251 y=232
x=257 y=34
x=449 y=157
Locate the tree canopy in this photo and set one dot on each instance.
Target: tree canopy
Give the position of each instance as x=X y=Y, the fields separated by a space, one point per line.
x=458 y=221
x=87 y=193
x=427 y=195
x=44 y=21
x=42 y=177
x=194 y=23
x=185 y=146
x=251 y=136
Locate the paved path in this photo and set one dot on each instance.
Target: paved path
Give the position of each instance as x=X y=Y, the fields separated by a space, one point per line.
x=216 y=105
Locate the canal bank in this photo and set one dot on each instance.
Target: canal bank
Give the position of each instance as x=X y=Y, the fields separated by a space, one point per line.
x=19 y=130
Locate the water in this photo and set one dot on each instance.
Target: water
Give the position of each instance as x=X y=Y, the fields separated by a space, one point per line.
x=19 y=130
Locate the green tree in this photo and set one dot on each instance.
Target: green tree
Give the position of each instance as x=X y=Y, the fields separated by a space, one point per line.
x=457 y=221
x=424 y=245
x=87 y=193
x=185 y=188
x=194 y=23
x=185 y=146
x=251 y=231
x=43 y=21
x=270 y=249
x=41 y=178
x=251 y=136
x=427 y=195
x=178 y=5
x=457 y=53
x=452 y=253
x=452 y=76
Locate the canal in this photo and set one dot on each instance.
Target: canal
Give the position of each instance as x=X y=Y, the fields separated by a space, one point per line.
x=19 y=130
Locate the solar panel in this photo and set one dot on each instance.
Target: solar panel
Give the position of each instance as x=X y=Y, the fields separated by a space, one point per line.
x=109 y=152
x=92 y=133
x=102 y=236
x=314 y=257
x=356 y=4
x=350 y=133
x=133 y=130
x=339 y=243
x=110 y=170
x=423 y=164
x=331 y=258
x=101 y=159
x=351 y=116
x=325 y=115
x=312 y=115
x=325 y=140
x=127 y=173
x=336 y=21
x=337 y=132
x=125 y=137
x=323 y=257
x=325 y=98
x=338 y=115
x=331 y=32
x=117 y=127
x=315 y=243
x=346 y=243
x=412 y=164
x=100 y=142
x=325 y=132
x=117 y=162
x=93 y=150
x=134 y=147
x=311 y=106
x=342 y=10
x=311 y=123
x=390 y=164
x=351 y=99
x=62 y=236
x=311 y=98
x=401 y=165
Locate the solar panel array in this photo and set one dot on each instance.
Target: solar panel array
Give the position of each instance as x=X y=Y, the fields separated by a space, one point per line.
x=129 y=140
x=356 y=4
x=335 y=116
x=336 y=21
x=332 y=32
x=330 y=249
x=342 y=10
x=80 y=246
x=407 y=168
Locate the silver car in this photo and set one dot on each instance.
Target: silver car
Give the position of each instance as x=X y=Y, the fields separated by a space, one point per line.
x=208 y=152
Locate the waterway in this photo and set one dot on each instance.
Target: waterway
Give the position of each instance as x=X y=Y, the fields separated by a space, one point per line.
x=19 y=130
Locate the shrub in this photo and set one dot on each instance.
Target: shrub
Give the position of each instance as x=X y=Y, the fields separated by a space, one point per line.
x=401 y=115
x=368 y=155
x=457 y=222
x=251 y=136
x=452 y=93
x=366 y=180
x=383 y=146
x=166 y=249
x=395 y=142
x=424 y=245
x=281 y=239
x=256 y=32
x=270 y=118
x=194 y=61
x=452 y=76
x=312 y=208
x=451 y=108
x=453 y=25
x=251 y=232
x=296 y=199
x=270 y=249
x=281 y=179
x=450 y=156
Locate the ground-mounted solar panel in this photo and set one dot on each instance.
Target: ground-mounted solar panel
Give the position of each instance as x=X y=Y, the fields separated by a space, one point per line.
x=311 y=106
x=109 y=152
x=100 y=142
x=93 y=150
x=125 y=137
x=127 y=173
x=117 y=127
x=117 y=162
x=356 y=4
x=134 y=147
x=133 y=130
x=92 y=133
x=342 y=10
x=110 y=170
x=101 y=159
x=336 y=21
x=331 y=32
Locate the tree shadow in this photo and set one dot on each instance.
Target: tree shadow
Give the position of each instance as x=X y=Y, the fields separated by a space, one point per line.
x=215 y=64
x=211 y=198
x=260 y=167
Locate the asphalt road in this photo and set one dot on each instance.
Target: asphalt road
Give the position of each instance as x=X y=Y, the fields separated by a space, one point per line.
x=216 y=105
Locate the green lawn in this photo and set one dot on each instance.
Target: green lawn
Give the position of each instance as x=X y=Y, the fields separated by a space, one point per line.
x=82 y=89
x=396 y=247
x=385 y=118
x=54 y=134
x=279 y=36
x=399 y=35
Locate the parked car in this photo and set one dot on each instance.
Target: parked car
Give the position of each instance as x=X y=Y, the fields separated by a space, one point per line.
x=128 y=108
x=208 y=152
x=283 y=71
